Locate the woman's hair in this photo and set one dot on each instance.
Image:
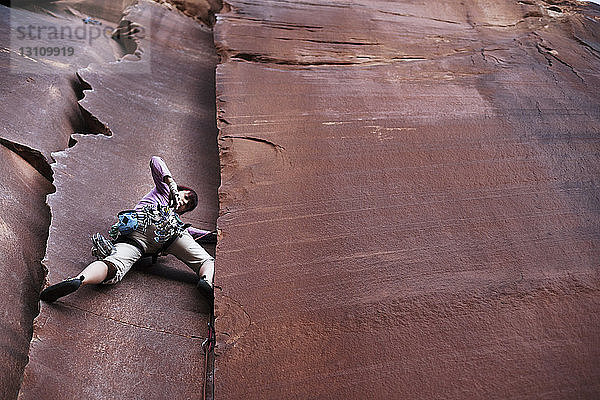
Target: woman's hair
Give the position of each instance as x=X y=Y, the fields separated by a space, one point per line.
x=193 y=197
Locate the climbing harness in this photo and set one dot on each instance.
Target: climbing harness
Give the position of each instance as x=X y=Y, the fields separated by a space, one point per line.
x=165 y=246
x=165 y=220
x=168 y=227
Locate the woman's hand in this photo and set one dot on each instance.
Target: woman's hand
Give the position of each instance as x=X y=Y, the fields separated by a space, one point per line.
x=175 y=199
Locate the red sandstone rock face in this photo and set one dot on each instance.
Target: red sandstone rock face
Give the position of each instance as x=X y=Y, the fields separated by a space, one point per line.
x=40 y=111
x=23 y=231
x=41 y=93
x=141 y=338
x=409 y=206
x=204 y=10
x=409 y=200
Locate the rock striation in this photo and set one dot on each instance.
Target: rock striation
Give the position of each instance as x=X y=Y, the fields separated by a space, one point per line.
x=144 y=336
x=409 y=200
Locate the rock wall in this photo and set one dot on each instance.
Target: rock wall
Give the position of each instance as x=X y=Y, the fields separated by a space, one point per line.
x=40 y=112
x=142 y=337
x=409 y=200
x=23 y=232
x=203 y=10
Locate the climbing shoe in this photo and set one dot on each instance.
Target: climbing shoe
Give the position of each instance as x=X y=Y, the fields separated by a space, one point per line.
x=206 y=290
x=68 y=286
x=209 y=238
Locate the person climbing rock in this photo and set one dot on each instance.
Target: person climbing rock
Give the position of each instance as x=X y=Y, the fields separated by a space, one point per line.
x=152 y=227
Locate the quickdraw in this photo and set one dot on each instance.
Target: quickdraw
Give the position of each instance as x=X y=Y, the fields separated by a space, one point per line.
x=167 y=223
x=102 y=247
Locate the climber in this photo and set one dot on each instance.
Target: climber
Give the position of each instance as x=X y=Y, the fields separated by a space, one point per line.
x=152 y=227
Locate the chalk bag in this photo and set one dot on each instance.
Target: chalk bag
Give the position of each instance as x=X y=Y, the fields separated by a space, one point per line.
x=128 y=222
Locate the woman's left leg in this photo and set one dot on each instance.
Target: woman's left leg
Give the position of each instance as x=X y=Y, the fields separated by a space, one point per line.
x=194 y=256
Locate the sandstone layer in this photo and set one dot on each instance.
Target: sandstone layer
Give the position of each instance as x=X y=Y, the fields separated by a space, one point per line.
x=40 y=112
x=142 y=337
x=409 y=200
x=23 y=232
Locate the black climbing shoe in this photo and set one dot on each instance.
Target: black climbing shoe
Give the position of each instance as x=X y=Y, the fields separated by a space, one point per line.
x=206 y=291
x=68 y=286
x=209 y=238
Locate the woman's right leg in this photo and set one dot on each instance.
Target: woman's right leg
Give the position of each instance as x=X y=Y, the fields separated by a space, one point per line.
x=110 y=270
x=94 y=273
x=114 y=267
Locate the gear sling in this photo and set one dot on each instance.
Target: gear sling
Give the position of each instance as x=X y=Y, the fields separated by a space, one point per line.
x=168 y=227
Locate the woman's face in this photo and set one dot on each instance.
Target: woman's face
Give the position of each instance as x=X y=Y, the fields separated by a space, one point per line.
x=186 y=202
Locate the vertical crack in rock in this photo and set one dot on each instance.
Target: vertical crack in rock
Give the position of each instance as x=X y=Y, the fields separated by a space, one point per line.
x=90 y=125
x=87 y=124
x=179 y=122
x=71 y=119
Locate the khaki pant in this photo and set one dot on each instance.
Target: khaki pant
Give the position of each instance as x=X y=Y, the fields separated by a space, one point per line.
x=185 y=248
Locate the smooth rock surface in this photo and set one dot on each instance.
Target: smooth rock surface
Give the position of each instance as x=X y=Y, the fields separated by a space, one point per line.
x=41 y=92
x=409 y=200
x=23 y=232
x=142 y=337
x=39 y=113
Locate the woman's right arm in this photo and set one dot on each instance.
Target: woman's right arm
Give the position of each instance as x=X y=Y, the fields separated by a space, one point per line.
x=160 y=174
